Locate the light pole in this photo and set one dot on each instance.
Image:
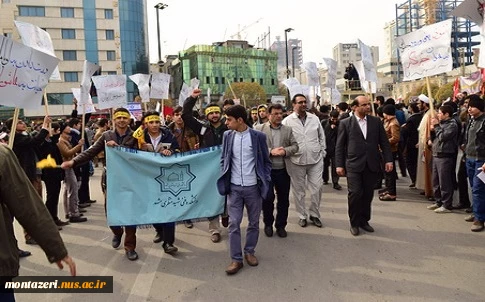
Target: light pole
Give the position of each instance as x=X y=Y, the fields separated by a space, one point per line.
x=293 y=59
x=286 y=51
x=158 y=7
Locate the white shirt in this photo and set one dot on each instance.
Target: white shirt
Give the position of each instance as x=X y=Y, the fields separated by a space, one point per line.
x=363 y=125
x=243 y=163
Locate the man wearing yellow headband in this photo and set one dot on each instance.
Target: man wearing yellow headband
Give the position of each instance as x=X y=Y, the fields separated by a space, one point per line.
x=210 y=134
x=262 y=115
x=254 y=115
x=122 y=135
x=160 y=140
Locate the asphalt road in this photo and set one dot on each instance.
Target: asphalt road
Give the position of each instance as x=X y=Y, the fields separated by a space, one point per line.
x=414 y=255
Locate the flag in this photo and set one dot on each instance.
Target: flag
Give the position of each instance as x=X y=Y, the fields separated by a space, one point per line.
x=146 y=187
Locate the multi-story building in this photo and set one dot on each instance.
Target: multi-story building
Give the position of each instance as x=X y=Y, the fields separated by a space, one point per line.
x=224 y=62
x=112 y=34
x=295 y=56
x=346 y=53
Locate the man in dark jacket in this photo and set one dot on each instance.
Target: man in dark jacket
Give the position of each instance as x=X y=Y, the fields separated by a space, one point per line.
x=331 y=130
x=410 y=139
x=19 y=199
x=210 y=134
x=25 y=147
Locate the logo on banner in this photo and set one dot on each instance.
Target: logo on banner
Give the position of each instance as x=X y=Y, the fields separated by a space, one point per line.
x=175 y=179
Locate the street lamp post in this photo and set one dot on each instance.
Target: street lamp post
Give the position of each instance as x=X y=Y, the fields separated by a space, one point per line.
x=158 y=7
x=286 y=51
x=293 y=59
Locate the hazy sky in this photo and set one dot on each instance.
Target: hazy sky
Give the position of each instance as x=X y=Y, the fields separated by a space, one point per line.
x=319 y=24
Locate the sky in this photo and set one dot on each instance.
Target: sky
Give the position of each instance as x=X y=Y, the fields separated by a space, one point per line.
x=319 y=24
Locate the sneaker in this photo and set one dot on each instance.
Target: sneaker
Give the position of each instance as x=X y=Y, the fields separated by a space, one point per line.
x=470 y=218
x=442 y=209
x=433 y=207
x=477 y=226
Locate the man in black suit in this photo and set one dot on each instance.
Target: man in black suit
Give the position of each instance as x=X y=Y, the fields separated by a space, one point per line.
x=357 y=155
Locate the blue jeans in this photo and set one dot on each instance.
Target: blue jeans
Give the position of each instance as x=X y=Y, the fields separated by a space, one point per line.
x=478 y=188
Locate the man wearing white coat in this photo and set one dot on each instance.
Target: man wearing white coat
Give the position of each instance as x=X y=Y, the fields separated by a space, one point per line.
x=307 y=163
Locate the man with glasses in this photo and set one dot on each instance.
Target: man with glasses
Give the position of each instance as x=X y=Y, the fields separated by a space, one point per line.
x=307 y=163
x=357 y=156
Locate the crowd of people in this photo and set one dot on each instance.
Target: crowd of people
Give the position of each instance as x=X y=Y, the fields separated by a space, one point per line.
x=266 y=150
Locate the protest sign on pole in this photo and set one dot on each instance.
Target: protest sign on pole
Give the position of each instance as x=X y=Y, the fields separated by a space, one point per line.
x=24 y=74
x=160 y=85
x=88 y=70
x=143 y=83
x=135 y=110
x=313 y=79
x=426 y=51
x=37 y=38
x=331 y=66
x=111 y=91
x=85 y=108
x=184 y=93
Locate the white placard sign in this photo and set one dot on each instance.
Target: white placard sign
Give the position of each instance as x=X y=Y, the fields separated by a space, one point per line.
x=331 y=66
x=160 y=85
x=367 y=70
x=85 y=108
x=278 y=99
x=143 y=82
x=313 y=79
x=24 y=72
x=111 y=91
x=184 y=93
x=426 y=51
x=37 y=38
x=88 y=70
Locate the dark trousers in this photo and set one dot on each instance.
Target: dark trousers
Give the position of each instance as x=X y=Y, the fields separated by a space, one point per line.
x=166 y=231
x=412 y=162
x=401 y=160
x=53 y=190
x=361 y=191
x=83 y=192
x=281 y=183
x=443 y=174
x=130 y=231
x=462 y=176
x=329 y=161
x=6 y=295
x=390 y=178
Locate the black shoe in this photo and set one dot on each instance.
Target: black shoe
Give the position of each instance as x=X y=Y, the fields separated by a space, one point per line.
x=81 y=210
x=84 y=205
x=378 y=186
x=157 y=238
x=116 y=241
x=468 y=210
x=76 y=219
x=412 y=185
x=23 y=253
x=302 y=223
x=460 y=206
x=30 y=241
x=188 y=224
x=169 y=248
x=91 y=201
x=367 y=227
x=268 y=231
x=316 y=221
x=131 y=255
x=225 y=220
x=281 y=233
x=354 y=231
x=61 y=223
x=337 y=187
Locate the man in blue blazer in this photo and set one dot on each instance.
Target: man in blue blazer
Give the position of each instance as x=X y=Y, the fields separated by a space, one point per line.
x=360 y=139
x=246 y=180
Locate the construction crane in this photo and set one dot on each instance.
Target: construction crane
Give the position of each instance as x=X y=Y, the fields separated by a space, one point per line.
x=430 y=10
x=238 y=34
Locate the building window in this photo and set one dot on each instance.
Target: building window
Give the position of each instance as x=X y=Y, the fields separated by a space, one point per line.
x=223 y=80
x=6 y=1
x=110 y=34
x=32 y=11
x=68 y=33
x=69 y=55
x=67 y=12
x=252 y=80
x=111 y=72
x=110 y=55
x=108 y=14
x=241 y=80
x=235 y=80
x=208 y=80
x=70 y=76
x=272 y=82
x=260 y=81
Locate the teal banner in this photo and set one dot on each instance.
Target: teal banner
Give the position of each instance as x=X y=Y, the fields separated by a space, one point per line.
x=146 y=187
